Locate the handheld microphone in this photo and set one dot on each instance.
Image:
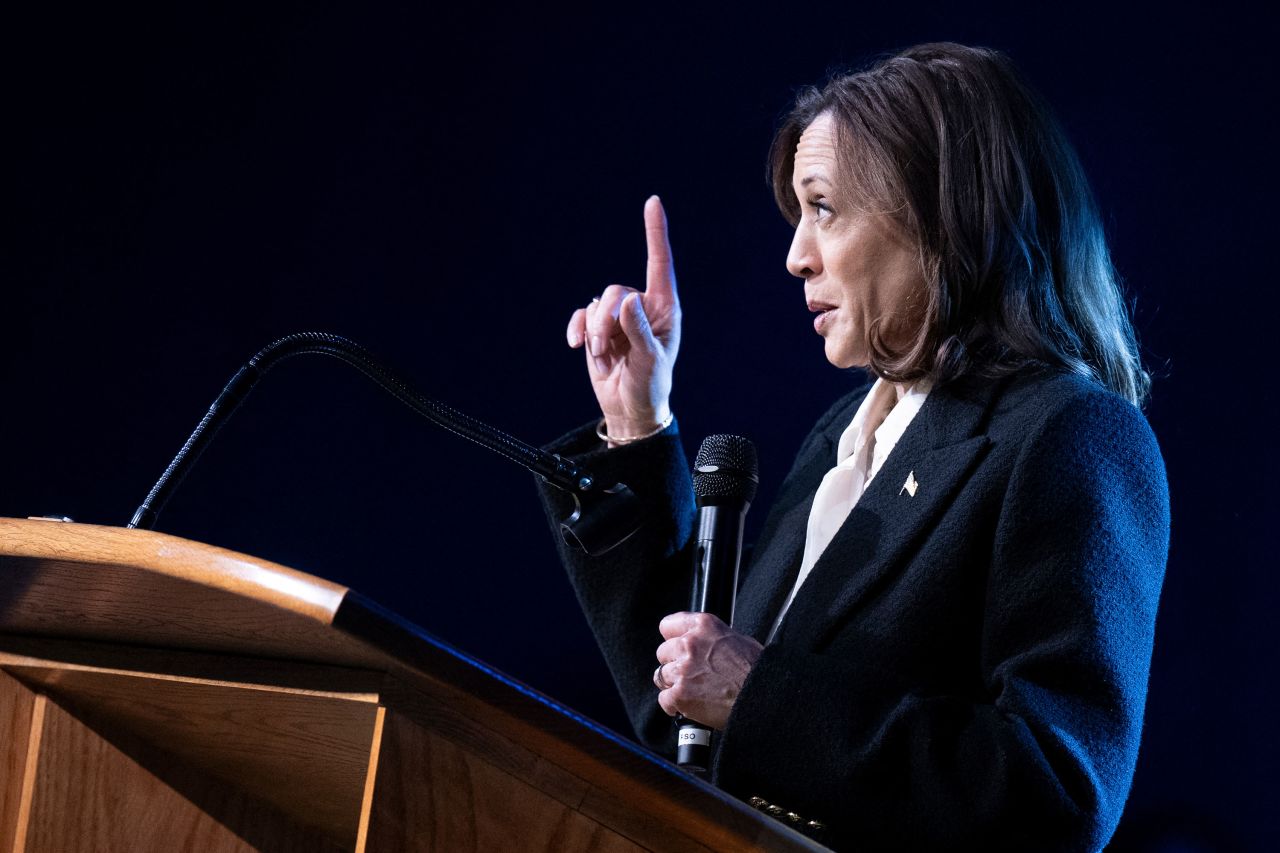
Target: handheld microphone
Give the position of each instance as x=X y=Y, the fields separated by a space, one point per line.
x=725 y=476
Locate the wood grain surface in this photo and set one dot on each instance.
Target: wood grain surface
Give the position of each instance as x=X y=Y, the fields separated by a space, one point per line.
x=371 y=776
x=111 y=588
x=92 y=796
x=304 y=751
x=632 y=787
x=137 y=586
x=16 y=706
x=435 y=797
x=644 y=799
x=639 y=821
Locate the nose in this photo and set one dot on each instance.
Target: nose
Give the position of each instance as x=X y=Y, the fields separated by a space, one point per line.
x=803 y=260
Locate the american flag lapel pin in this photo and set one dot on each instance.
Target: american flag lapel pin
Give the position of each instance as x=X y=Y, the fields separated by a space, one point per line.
x=910 y=485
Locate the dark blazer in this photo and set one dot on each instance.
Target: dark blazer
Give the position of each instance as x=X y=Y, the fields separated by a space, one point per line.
x=965 y=667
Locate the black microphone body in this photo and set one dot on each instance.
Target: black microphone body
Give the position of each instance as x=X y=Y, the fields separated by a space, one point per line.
x=719 y=551
x=724 y=484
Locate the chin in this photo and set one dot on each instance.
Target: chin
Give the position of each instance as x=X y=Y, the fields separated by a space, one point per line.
x=844 y=359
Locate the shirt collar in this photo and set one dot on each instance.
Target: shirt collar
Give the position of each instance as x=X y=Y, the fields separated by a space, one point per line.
x=900 y=417
x=883 y=397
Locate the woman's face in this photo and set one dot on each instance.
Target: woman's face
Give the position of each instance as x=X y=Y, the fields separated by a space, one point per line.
x=858 y=267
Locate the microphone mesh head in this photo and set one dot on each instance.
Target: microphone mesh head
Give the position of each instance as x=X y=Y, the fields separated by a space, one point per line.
x=726 y=468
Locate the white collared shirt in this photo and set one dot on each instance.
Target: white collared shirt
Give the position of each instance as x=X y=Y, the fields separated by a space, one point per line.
x=866 y=443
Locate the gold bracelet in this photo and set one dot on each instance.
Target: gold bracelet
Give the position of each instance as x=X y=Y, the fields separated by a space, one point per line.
x=628 y=439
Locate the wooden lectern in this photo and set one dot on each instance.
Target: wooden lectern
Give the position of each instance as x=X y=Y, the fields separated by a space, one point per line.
x=158 y=694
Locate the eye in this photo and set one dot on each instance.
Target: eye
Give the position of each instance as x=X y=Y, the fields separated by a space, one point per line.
x=821 y=209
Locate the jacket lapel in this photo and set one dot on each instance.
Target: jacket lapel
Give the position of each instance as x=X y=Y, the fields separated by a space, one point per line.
x=935 y=455
x=773 y=572
x=775 y=564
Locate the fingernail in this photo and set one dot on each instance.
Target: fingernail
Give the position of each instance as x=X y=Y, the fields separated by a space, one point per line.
x=597 y=345
x=574 y=340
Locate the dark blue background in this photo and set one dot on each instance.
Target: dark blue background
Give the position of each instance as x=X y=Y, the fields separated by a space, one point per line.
x=183 y=186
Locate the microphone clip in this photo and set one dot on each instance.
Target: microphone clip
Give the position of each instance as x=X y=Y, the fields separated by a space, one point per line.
x=602 y=518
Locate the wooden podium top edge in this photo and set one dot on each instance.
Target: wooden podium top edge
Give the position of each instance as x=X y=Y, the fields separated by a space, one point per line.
x=95 y=584
x=174 y=557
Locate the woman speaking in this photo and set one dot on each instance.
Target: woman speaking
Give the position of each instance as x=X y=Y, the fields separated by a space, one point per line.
x=944 y=631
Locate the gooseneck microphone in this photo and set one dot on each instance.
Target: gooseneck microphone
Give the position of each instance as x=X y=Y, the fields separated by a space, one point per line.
x=725 y=476
x=604 y=513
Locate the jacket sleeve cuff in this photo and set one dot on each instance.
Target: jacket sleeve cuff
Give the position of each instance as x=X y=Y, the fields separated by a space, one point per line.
x=655 y=469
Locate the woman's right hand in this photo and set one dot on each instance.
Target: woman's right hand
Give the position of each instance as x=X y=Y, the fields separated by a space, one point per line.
x=631 y=338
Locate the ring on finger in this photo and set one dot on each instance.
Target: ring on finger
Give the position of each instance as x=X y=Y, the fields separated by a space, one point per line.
x=658 y=680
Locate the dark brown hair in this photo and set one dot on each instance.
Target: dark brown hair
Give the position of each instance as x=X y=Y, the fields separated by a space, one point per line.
x=953 y=145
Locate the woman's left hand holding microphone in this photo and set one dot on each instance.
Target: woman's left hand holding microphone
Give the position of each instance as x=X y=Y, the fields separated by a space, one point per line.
x=702 y=666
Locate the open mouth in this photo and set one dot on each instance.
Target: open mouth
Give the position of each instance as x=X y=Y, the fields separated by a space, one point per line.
x=822 y=310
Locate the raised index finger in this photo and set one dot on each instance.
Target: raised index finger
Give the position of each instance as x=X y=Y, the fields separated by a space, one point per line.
x=660 y=275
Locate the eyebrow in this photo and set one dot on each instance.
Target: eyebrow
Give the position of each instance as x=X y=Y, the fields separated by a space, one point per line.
x=811 y=178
